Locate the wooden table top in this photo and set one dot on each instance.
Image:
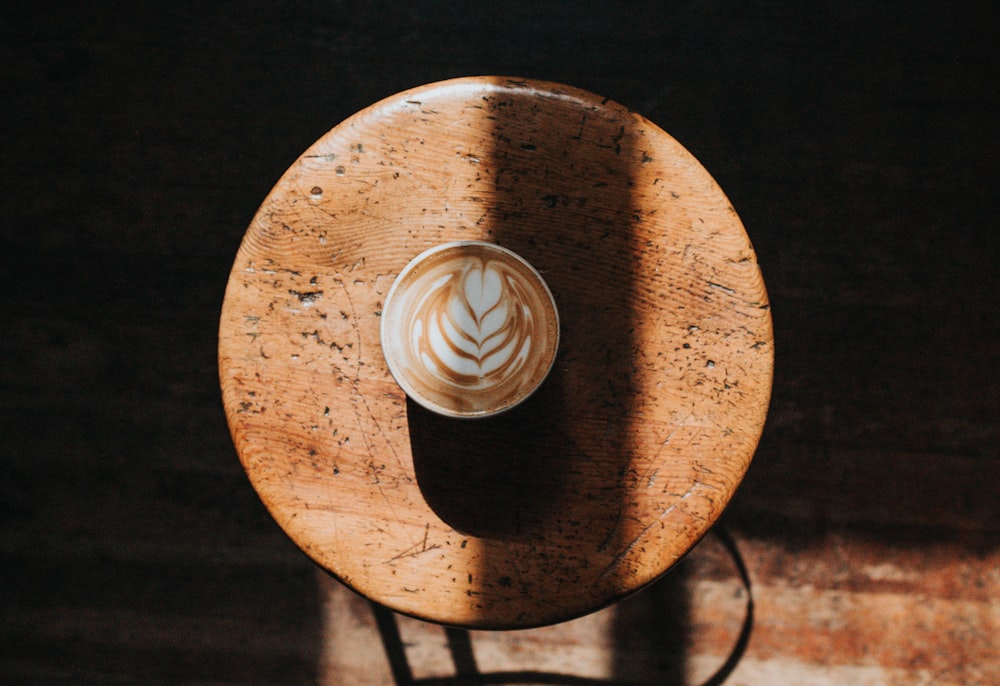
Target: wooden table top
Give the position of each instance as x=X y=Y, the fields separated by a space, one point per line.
x=604 y=478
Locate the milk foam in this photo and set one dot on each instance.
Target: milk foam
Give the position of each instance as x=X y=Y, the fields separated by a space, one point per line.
x=469 y=328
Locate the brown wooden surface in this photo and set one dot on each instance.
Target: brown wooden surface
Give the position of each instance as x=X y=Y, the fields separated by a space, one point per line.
x=620 y=462
x=858 y=142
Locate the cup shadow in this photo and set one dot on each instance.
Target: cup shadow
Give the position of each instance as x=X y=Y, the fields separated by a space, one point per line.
x=496 y=477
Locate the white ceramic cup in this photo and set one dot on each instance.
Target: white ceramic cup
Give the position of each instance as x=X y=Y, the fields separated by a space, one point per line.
x=469 y=329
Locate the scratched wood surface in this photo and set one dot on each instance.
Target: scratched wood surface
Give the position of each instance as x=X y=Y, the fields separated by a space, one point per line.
x=858 y=143
x=604 y=478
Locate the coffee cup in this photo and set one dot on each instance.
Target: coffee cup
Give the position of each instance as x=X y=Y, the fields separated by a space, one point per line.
x=469 y=329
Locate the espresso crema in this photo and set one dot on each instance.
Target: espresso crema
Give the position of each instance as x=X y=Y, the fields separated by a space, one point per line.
x=469 y=329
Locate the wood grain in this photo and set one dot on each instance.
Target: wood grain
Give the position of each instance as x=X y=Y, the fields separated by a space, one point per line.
x=603 y=479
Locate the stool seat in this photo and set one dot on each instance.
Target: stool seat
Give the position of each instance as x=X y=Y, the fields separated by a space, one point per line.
x=613 y=469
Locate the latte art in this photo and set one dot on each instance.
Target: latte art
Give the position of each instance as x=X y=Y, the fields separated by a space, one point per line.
x=469 y=329
x=474 y=328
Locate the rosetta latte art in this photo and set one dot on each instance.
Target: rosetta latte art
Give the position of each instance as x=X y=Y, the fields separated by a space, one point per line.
x=473 y=327
x=469 y=329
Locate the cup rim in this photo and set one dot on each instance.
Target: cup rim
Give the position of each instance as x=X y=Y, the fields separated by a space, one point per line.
x=400 y=378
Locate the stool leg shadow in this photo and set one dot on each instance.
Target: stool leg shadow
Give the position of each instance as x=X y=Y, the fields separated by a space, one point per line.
x=467 y=672
x=460 y=645
x=392 y=642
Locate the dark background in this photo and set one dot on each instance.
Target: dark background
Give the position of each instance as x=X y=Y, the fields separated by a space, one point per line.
x=857 y=140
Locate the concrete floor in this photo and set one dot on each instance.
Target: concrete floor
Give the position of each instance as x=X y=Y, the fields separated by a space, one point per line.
x=858 y=143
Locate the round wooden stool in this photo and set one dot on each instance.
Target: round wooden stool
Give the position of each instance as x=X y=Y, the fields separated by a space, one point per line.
x=613 y=469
